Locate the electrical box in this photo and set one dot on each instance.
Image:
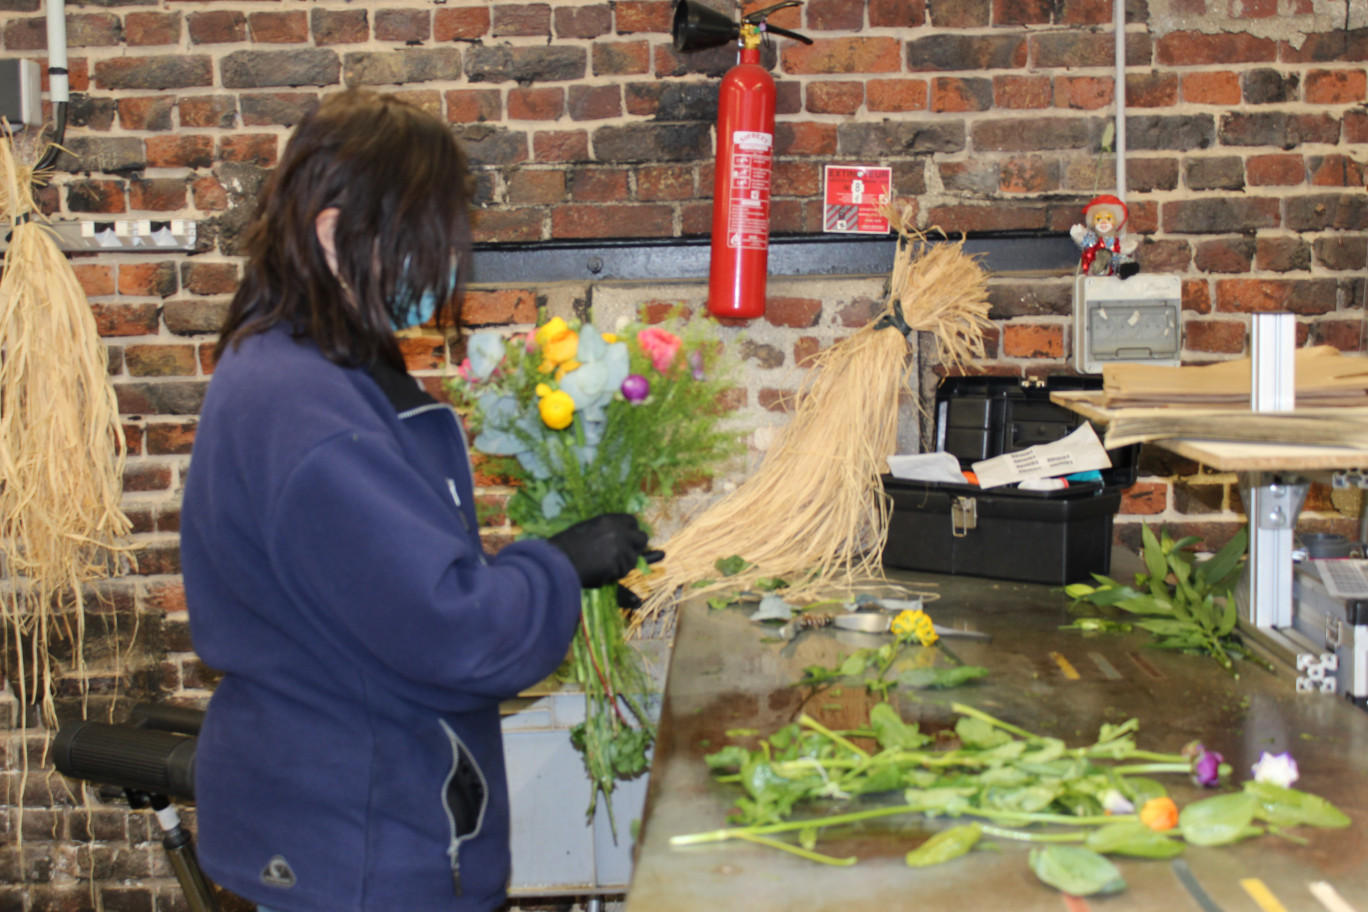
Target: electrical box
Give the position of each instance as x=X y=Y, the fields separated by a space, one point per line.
x=1122 y=320
x=21 y=97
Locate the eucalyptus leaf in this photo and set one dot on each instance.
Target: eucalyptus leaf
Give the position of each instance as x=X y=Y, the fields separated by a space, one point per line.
x=772 y=608
x=1286 y=807
x=1218 y=821
x=945 y=846
x=1076 y=871
x=1132 y=838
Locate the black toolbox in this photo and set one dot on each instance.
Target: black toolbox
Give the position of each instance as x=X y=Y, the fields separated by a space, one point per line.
x=1057 y=537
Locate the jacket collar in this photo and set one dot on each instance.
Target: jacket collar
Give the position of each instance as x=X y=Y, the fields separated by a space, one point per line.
x=400 y=388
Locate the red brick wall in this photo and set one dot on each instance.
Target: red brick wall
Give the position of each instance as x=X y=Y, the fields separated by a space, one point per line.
x=1248 y=142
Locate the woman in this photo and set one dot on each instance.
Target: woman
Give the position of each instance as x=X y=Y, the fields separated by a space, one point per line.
x=351 y=756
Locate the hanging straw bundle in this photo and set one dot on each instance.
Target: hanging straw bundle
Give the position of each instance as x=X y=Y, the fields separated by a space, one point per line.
x=814 y=513
x=61 y=446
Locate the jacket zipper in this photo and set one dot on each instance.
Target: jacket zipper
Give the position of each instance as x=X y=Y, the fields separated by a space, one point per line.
x=470 y=466
x=458 y=750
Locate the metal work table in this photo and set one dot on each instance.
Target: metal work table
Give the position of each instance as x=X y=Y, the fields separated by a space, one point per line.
x=729 y=673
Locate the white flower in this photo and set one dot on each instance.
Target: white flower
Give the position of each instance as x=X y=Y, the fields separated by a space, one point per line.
x=1278 y=769
x=1113 y=802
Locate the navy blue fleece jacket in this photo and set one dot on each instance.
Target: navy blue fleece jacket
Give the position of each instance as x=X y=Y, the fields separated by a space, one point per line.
x=351 y=757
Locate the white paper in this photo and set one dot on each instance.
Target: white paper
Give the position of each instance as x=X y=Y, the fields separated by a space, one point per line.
x=1081 y=451
x=939 y=467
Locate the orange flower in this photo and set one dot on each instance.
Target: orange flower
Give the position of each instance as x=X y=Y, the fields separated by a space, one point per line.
x=559 y=343
x=1159 y=814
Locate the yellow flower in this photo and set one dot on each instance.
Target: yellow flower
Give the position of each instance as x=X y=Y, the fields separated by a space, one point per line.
x=557 y=410
x=542 y=390
x=914 y=623
x=558 y=342
x=610 y=338
x=566 y=368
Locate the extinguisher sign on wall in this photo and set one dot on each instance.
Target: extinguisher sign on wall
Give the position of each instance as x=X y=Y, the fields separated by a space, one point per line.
x=749 y=206
x=854 y=196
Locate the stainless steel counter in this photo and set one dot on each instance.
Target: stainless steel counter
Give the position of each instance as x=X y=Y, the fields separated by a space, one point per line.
x=727 y=673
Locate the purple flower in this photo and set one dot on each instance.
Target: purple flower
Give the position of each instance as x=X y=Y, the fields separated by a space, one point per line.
x=635 y=388
x=696 y=364
x=1206 y=768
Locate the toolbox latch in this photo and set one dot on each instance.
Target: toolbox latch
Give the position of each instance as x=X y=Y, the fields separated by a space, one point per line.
x=963 y=516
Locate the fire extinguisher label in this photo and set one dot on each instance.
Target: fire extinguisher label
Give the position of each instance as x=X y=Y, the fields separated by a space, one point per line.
x=855 y=197
x=749 y=206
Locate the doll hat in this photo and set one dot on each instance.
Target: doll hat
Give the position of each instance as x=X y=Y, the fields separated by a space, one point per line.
x=1108 y=201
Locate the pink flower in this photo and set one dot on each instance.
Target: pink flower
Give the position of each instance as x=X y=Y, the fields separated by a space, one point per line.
x=464 y=372
x=660 y=346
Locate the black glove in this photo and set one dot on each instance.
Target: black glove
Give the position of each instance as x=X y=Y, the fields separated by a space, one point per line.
x=603 y=549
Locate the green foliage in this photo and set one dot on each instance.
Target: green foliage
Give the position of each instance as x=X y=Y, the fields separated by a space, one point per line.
x=1076 y=871
x=1186 y=604
x=945 y=846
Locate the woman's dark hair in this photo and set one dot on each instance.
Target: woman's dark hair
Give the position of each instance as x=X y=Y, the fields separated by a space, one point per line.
x=398 y=179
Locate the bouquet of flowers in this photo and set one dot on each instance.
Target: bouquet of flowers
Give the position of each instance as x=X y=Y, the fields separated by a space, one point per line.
x=588 y=423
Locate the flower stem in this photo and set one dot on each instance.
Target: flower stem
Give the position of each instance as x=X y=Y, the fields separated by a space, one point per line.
x=1023 y=836
x=816 y=726
x=798 y=850
x=1183 y=767
x=993 y=720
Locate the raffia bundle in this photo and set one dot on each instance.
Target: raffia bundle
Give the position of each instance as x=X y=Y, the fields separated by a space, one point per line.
x=61 y=446
x=814 y=512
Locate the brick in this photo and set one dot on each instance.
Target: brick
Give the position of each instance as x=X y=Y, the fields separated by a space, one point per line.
x=1084 y=12
x=1342 y=252
x=154 y=72
x=803 y=179
x=1283 y=254
x=965 y=52
x=890 y=137
x=251 y=148
x=1031 y=174
x=1144 y=498
x=1083 y=92
x=897 y=13
x=96 y=196
x=835 y=15
x=1196 y=296
x=603 y=221
x=792 y=312
x=1346 y=335
x=521 y=19
x=368 y=68
x=157 y=194
x=711 y=62
x=1182 y=132
x=1164 y=256
x=1073 y=49
x=1033 y=340
x=527 y=187
x=955 y=94
x=1029 y=299
x=91 y=113
x=536 y=103
x=1191 y=497
x=1214 y=88
x=464 y=24
x=962 y=15
x=594 y=102
x=207 y=111
x=278 y=27
x=1331 y=211
x=92 y=30
x=95 y=280
x=194 y=317
x=209 y=278
x=1144 y=175
x=1279 y=129
x=331 y=27
x=584 y=21
x=653 y=142
x=123 y=319
x=489 y=308
x=157 y=279
x=667 y=182
x=1219 y=215
x=1224 y=172
x=403 y=26
x=209 y=194
x=1014 y=91
x=761 y=355
x=560 y=145
x=1275 y=170
x=644 y=16
x=621 y=58
x=27 y=34
x=1334 y=45
x=1335 y=171
x=146 y=112
x=1269 y=86
x=160 y=360
x=834 y=97
x=160 y=397
x=1002 y=216
x=671 y=101
x=295 y=67
x=896 y=95
x=1225 y=255
x=1201 y=49
x=1151 y=90
x=1015 y=134
x=843 y=55
x=1336 y=86
x=525 y=65
x=217 y=27
x=473 y=105
x=598 y=185
x=776 y=400
x=1023 y=12
x=145 y=29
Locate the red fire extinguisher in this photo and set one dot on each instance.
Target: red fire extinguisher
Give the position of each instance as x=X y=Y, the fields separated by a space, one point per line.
x=744 y=168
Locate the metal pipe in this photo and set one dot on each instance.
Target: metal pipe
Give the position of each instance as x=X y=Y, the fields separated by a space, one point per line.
x=1119 y=28
x=59 y=84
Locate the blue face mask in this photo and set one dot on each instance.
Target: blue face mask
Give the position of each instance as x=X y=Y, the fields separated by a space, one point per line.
x=416 y=313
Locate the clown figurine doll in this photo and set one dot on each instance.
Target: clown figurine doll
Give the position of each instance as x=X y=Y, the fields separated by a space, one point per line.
x=1105 y=250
